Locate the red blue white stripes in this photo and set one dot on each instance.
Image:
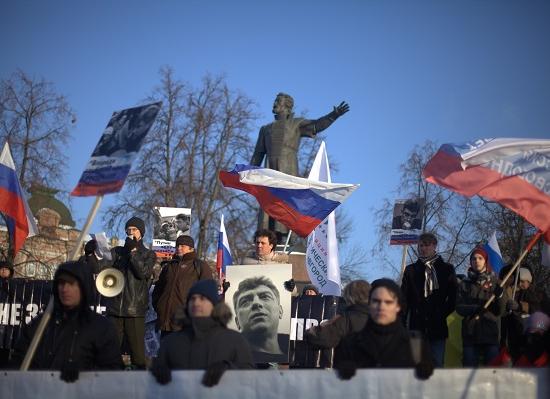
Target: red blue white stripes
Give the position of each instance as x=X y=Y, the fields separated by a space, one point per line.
x=512 y=172
x=298 y=203
x=223 y=258
x=13 y=205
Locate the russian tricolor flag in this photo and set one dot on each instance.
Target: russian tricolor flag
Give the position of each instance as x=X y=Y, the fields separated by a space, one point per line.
x=223 y=258
x=300 y=204
x=493 y=251
x=13 y=205
x=513 y=172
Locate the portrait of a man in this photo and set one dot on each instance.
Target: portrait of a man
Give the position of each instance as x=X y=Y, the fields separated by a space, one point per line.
x=262 y=313
x=408 y=215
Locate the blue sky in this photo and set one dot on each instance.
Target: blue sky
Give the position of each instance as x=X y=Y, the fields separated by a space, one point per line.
x=449 y=71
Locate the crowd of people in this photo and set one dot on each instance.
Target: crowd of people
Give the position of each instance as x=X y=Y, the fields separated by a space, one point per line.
x=384 y=324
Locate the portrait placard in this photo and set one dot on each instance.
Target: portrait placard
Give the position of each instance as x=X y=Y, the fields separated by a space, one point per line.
x=261 y=308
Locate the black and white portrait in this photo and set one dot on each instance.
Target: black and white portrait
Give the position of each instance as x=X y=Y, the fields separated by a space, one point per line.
x=126 y=130
x=261 y=308
x=407 y=214
x=171 y=223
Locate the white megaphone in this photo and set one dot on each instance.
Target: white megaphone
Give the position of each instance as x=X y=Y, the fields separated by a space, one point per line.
x=109 y=282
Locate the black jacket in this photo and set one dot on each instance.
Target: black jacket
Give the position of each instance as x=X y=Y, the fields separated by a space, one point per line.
x=78 y=336
x=429 y=315
x=473 y=292
x=379 y=346
x=137 y=268
x=204 y=341
x=330 y=334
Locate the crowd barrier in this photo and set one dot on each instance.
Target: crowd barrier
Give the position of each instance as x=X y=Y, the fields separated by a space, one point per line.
x=276 y=384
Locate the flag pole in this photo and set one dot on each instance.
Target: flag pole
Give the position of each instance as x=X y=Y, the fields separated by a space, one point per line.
x=287 y=240
x=49 y=309
x=403 y=262
x=528 y=248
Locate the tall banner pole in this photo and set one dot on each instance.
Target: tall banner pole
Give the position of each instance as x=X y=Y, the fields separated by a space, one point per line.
x=403 y=262
x=528 y=248
x=91 y=216
x=49 y=309
x=287 y=240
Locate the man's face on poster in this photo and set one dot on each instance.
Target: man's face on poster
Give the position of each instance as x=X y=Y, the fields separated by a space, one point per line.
x=258 y=311
x=407 y=217
x=181 y=224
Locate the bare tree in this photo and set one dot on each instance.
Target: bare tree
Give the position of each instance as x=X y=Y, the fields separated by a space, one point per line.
x=36 y=121
x=460 y=223
x=198 y=132
x=447 y=214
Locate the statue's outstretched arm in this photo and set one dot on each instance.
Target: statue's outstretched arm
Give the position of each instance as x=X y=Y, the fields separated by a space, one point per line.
x=312 y=127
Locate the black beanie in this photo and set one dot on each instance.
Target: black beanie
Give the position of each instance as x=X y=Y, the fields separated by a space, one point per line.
x=185 y=240
x=206 y=288
x=136 y=222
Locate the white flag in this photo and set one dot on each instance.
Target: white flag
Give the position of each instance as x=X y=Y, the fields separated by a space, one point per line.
x=322 y=247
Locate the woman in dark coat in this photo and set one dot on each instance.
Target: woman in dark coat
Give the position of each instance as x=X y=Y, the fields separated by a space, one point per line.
x=384 y=341
x=480 y=327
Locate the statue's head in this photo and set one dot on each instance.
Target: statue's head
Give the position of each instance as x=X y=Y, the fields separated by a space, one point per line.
x=283 y=104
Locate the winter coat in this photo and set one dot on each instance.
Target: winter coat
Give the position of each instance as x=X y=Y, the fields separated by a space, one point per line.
x=204 y=341
x=379 y=346
x=479 y=327
x=429 y=314
x=171 y=289
x=272 y=257
x=331 y=333
x=78 y=336
x=137 y=268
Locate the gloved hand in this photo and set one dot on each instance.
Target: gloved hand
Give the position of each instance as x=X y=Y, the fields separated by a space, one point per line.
x=512 y=306
x=346 y=370
x=225 y=286
x=90 y=247
x=498 y=291
x=213 y=373
x=340 y=110
x=290 y=285
x=162 y=373
x=130 y=243
x=69 y=372
x=424 y=370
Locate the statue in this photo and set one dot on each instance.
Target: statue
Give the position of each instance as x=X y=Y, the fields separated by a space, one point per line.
x=279 y=142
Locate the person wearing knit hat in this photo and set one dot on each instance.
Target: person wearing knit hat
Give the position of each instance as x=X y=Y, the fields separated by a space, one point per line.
x=176 y=279
x=127 y=309
x=535 y=351
x=205 y=342
x=6 y=270
x=480 y=326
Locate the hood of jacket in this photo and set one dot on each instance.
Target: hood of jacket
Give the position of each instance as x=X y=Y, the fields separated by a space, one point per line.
x=81 y=272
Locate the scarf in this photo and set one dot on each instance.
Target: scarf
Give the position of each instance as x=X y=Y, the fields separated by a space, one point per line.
x=430 y=276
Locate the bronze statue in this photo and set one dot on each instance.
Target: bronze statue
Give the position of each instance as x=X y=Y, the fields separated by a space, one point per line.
x=279 y=142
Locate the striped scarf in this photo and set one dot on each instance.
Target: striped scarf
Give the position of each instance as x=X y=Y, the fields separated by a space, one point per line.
x=430 y=276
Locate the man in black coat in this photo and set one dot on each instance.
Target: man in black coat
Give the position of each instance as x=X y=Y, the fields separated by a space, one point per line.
x=205 y=341
x=429 y=289
x=384 y=342
x=75 y=338
x=127 y=310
